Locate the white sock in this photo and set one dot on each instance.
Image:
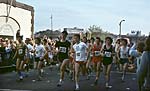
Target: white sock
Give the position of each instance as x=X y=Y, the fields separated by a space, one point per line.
x=77 y=86
x=106 y=84
x=60 y=80
x=42 y=70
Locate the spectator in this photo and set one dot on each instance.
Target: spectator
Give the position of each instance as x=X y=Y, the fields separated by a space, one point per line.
x=140 y=49
x=7 y=49
x=143 y=74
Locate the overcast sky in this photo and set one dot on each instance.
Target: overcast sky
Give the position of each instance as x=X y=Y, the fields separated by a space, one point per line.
x=83 y=13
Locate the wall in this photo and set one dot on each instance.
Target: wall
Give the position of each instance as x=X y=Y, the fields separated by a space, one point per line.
x=22 y=16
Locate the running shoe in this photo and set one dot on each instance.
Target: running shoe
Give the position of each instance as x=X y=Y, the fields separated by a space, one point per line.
x=59 y=84
x=77 y=89
x=108 y=86
x=21 y=77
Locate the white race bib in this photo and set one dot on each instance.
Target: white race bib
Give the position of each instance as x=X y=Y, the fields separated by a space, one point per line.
x=97 y=53
x=20 y=51
x=62 y=49
x=108 y=54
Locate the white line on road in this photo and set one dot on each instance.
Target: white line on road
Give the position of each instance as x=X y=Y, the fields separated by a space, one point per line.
x=13 y=90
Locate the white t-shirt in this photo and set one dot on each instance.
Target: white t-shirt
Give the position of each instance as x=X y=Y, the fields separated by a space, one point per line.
x=133 y=51
x=8 y=48
x=50 y=54
x=80 y=51
x=30 y=48
x=39 y=50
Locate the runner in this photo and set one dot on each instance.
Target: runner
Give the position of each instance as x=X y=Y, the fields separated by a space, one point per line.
x=50 y=54
x=39 y=57
x=80 y=49
x=85 y=67
x=97 y=58
x=20 y=54
x=107 y=51
x=89 y=58
x=116 y=61
x=123 y=55
x=63 y=50
x=28 y=56
x=71 y=63
x=48 y=51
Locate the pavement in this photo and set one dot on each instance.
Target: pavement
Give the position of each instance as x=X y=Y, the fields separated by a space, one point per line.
x=50 y=79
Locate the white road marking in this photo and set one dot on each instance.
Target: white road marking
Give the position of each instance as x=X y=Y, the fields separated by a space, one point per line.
x=13 y=90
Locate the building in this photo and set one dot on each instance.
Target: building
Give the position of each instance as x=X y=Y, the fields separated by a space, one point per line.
x=16 y=16
x=75 y=30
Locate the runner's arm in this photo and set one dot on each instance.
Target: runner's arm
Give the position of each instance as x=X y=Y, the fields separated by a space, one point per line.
x=15 y=54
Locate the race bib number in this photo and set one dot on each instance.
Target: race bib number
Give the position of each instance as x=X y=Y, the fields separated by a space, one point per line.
x=20 y=51
x=97 y=53
x=108 y=54
x=78 y=54
x=62 y=49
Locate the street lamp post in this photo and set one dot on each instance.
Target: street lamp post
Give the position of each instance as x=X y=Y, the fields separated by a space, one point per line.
x=120 y=27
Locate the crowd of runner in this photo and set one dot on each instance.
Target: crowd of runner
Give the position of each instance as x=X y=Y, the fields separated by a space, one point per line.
x=80 y=57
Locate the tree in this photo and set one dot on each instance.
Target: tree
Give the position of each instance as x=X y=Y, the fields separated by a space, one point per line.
x=95 y=28
x=97 y=31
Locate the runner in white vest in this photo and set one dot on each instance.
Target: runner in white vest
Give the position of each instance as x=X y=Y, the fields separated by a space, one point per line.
x=79 y=49
x=123 y=56
x=39 y=56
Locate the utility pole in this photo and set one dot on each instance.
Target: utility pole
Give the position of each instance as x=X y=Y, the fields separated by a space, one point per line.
x=51 y=22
